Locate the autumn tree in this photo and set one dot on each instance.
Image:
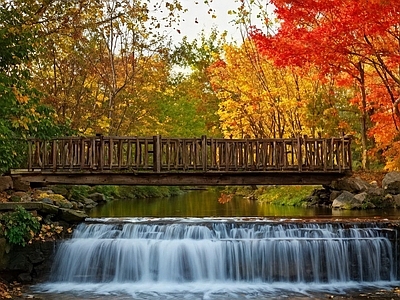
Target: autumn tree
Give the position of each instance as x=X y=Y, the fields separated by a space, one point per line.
x=105 y=62
x=348 y=39
x=191 y=80
x=258 y=99
x=21 y=114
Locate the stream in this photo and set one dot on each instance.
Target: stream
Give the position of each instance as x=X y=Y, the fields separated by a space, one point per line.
x=193 y=247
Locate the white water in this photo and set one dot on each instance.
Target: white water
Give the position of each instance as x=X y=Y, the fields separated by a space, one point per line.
x=149 y=258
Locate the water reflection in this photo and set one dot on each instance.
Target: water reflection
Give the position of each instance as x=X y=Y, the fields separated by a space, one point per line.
x=205 y=204
x=200 y=204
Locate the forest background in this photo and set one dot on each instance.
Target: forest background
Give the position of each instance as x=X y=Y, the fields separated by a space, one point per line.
x=311 y=67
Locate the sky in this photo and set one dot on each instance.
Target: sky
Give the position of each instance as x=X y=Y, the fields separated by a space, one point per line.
x=198 y=18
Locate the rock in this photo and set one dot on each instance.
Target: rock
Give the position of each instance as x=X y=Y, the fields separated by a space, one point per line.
x=65 y=204
x=21 y=185
x=387 y=201
x=391 y=183
x=346 y=200
x=25 y=277
x=60 y=189
x=55 y=199
x=6 y=183
x=97 y=197
x=35 y=257
x=88 y=201
x=14 y=198
x=334 y=195
x=361 y=198
x=396 y=200
x=375 y=191
x=20 y=262
x=72 y=216
x=90 y=206
x=49 y=209
x=374 y=184
x=351 y=184
x=20 y=197
x=47 y=201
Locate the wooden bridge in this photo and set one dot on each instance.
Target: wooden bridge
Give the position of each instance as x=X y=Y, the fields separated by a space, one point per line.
x=186 y=161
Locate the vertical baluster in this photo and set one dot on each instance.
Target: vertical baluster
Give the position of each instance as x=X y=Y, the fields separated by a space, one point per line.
x=204 y=153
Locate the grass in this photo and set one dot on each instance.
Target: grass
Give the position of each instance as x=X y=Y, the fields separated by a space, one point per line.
x=284 y=195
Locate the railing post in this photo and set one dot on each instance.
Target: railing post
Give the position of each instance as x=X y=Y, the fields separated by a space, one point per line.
x=350 y=162
x=54 y=154
x=102 y=152
x=157 y=153
x=30 y=168
x=299 y=153
x=204 y=152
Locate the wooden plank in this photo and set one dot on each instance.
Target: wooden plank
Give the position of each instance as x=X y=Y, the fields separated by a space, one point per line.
x=71 y=154
x=185 y=178
x=146 y=154
x=54 y=154
x=204 y=153
x=101 y=153
x=30 y=158
x=246 y=155
x=299 y=154
x=111 y=152
x=129 y=153
x=157 y=153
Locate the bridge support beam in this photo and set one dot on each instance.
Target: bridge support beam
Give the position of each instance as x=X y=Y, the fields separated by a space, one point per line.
x=183 y=179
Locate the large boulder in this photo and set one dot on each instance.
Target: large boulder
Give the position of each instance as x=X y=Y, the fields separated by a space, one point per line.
x=351 y=184
x=346 y=200
x=6 y=183
x=391 y=183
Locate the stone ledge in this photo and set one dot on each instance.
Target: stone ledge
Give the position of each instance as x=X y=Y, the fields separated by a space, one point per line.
x=27 y=205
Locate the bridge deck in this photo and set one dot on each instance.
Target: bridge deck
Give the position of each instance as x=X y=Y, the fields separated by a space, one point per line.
x=175 y=161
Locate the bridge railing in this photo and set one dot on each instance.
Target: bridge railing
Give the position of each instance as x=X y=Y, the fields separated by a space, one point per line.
x=204 y=154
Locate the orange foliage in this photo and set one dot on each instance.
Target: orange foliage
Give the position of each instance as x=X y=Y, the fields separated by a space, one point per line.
x=355 y=40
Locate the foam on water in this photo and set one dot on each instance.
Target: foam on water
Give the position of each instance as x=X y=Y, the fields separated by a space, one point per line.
x=217 y=258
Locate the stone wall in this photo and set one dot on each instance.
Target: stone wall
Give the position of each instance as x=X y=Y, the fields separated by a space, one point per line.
x=33 y=262
x=28 y=264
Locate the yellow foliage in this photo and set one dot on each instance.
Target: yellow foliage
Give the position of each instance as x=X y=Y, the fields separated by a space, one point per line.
x=258 y=99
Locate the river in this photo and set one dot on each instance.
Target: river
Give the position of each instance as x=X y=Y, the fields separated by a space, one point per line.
x=192 y=246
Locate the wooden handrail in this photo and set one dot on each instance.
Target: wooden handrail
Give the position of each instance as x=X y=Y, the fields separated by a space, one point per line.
x=158 y=154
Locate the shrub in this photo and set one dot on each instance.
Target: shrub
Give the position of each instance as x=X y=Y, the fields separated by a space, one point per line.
x=19 y=226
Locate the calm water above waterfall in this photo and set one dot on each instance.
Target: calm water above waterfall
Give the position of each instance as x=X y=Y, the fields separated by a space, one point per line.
x=205 y=204
x=194 y=248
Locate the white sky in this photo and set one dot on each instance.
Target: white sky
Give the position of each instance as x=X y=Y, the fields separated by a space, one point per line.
x=197 y=19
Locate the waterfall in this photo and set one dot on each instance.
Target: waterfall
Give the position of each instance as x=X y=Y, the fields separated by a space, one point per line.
x=196 y=251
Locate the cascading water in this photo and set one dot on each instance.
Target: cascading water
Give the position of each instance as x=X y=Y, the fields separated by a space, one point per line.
x=220 y=255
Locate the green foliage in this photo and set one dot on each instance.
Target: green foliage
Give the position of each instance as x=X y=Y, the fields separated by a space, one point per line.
x=284 y=195
x=140 y=192
x=19 y=226
x=109 y=191
x=113 y=192
x=21 y=115
x=78 y=192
